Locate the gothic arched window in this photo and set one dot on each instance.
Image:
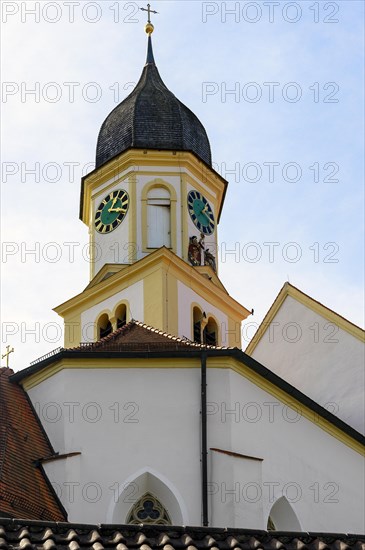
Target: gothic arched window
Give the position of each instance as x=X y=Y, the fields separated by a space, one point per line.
x=158 y=218
x=148 y=510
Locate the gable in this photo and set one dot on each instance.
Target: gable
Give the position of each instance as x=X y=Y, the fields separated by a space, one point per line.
x=318 y=353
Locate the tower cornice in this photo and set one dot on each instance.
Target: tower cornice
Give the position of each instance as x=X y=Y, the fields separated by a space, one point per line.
x=134 y=160
x=137 y=271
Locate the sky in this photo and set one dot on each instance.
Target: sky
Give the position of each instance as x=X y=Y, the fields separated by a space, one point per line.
x=279 y=89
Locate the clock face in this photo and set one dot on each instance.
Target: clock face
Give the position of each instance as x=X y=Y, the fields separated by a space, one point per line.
x=112 y=211
x=201 y=212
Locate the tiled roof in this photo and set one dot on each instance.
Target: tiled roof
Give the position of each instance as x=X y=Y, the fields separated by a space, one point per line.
x=17 y=534
x=24 y=489
x=151 y=117
x=138 y=336
x=136 y=340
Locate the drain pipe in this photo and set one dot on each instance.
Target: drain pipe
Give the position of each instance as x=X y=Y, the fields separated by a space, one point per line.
x=204 y=457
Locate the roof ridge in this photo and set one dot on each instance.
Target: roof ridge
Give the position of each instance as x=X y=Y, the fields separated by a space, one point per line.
x=134 y=322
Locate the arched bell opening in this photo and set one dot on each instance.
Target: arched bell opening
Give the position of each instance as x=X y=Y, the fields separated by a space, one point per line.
x=104 y=326
x=121 y=316
x=210 y=332
x=198 y=318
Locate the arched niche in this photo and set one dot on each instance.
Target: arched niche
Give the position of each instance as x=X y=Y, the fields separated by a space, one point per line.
x=131 y=493
x=282 y=517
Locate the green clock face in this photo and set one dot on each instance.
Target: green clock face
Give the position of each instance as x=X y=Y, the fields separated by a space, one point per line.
x=201 y=212
x=112 y=211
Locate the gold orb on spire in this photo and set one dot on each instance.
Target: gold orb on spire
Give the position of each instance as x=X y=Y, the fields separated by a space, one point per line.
x=149 y=28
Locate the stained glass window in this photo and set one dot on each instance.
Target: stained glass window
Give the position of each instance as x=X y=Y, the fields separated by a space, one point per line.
x=148 y=510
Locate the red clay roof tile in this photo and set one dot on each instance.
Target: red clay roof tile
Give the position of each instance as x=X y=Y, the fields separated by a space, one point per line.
x=24 y=489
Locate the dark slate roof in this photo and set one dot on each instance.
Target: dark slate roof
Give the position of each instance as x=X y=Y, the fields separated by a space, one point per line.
x=151 y=117
x=19 y=535
x=24 y=487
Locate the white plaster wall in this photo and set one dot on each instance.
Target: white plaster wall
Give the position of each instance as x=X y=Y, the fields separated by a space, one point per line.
x=321 y=476
x=228 y=477
x=130 y=421
x=133 y=294
x=317 y=357
x=124 y=421
x=186 y=297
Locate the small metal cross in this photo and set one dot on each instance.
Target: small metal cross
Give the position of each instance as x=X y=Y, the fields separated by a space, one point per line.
x=8 y=352
x=149 y=12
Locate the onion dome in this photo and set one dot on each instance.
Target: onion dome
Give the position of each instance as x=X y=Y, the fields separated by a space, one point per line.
x=151 y=117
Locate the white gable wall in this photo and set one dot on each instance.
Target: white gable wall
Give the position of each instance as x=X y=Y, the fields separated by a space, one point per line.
x=317 y=357
x=133 y=425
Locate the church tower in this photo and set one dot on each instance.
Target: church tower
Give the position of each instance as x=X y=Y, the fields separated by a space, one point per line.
x=152 y=412
x=152 y=206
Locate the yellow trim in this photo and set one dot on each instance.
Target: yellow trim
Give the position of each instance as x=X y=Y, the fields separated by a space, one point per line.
x=106 y=312
x=140 y=269
x=125 y=164
x=133 y=217
x=154 y=184
x=107 y=268
x=171 y=300
x=186 y=362
x=316 y=307
x=153 y=295
x=160 y=272
x=208 y=272
x=104 y=191
x=194 y=305
x=184 y=220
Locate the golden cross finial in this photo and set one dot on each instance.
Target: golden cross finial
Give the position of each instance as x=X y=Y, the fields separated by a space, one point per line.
x=149 y=12
x=8 y=352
